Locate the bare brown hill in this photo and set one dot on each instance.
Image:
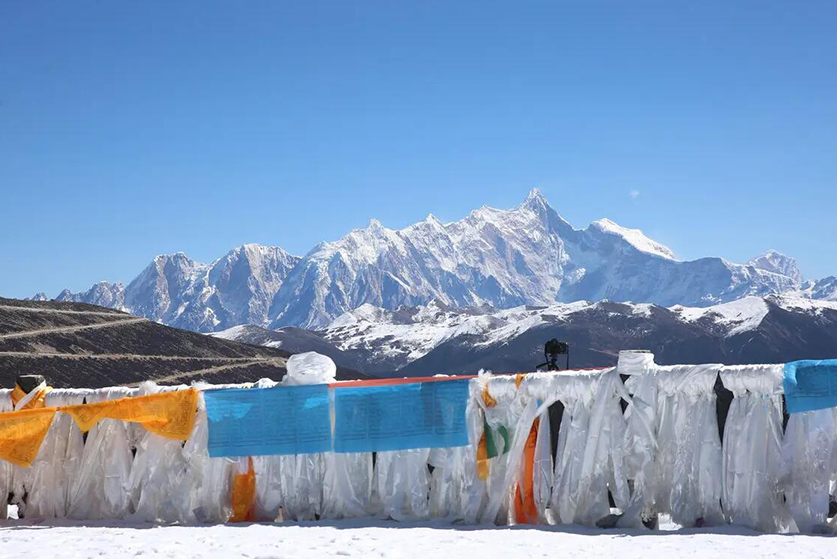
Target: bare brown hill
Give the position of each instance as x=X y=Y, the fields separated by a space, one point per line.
x=85 y=346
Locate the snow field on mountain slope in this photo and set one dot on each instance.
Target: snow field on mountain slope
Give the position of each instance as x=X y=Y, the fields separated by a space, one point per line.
x=392 y=540
x=740 y=316
x=635 y=237
x=746 y=314
x=430 y=326
x=370 y=326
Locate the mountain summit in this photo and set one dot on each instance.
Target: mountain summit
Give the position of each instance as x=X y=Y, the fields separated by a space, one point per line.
x=528 y=255
x=778 y=263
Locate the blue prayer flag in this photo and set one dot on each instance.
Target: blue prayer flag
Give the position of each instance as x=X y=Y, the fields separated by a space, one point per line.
x=810 y=385
x=267 y=421
x=400 y=417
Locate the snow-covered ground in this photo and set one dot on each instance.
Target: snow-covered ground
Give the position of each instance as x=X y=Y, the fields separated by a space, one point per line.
x=369 y=538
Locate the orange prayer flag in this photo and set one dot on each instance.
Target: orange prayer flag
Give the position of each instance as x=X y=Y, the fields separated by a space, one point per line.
x=483 y=465
x=21 y=434
x=487 y=398
x=168 y=414
x=244 y=494
x=525 y=510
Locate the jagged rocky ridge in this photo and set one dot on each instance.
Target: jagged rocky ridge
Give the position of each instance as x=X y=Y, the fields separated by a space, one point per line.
x=528 y=255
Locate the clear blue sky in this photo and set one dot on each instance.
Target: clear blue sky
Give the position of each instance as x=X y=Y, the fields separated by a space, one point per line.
x=129 y=129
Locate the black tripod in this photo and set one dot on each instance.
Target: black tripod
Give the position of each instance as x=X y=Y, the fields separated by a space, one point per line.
x=552 y=350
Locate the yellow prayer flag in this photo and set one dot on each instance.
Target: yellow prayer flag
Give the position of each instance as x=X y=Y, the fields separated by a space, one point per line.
x=168 y=414
x=21 y=434
x=36 y=400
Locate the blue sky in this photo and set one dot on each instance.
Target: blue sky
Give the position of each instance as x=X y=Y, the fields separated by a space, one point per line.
x=132 y=129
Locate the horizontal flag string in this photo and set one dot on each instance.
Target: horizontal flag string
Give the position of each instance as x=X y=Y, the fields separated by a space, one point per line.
x=168 y=414
x=368 y=416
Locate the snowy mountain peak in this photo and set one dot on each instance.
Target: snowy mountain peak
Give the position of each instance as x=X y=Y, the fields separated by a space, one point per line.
x=365 y=245
x=375 y=229
x=482 y=214
x=778 y=263
x=255 y=248
x=172 y=264
x=65 y=295
x=536 y=204
x=535 y=195
x=535 y=199
x=257 y=254
x=178 y=256
x=634 y=237
x=103 y=293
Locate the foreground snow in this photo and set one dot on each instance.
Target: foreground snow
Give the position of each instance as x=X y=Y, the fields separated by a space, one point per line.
x=369 y=538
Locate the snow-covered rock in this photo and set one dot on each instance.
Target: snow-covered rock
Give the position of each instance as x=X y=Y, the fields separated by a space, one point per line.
x=310 y=368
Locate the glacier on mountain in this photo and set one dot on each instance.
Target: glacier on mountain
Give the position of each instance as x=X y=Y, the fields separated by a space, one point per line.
x=528 y=255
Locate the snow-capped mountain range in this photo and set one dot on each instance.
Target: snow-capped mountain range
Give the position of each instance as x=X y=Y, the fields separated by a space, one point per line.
x=528 y=255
